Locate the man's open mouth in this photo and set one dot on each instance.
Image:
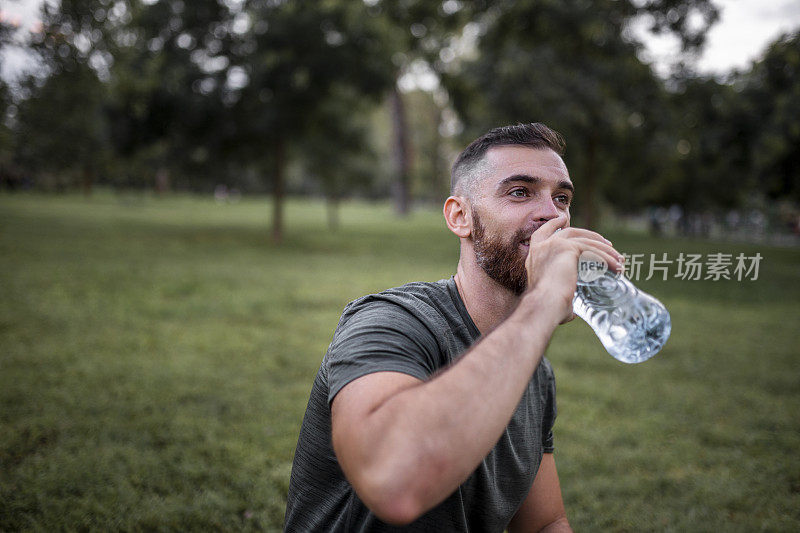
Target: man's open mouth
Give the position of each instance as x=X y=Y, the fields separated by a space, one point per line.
x=526 y=241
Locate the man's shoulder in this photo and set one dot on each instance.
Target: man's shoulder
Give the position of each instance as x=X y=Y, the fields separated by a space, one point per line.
x=431 y=306
x=415 y=297
x=425 y=313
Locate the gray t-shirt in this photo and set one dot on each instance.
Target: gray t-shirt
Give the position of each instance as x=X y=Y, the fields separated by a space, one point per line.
x=416 y=329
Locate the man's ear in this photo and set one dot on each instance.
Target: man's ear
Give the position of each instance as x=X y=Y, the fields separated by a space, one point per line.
x=458 y=216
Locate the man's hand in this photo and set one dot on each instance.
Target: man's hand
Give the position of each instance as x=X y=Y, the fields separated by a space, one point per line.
x=552 y=261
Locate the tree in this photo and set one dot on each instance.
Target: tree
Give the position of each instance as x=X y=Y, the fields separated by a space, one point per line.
x=335 y=152
x=200 y=91
x=167 y=88
x=7 y=173
x=772 y=91
x=62 y=129
x=711 y=145
x=125 y=75
x=416 y=31
x=737 y=142
x=429 y=172
x=287 y=79
x=574 y=65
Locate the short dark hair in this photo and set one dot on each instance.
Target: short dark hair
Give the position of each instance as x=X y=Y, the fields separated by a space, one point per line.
x=533 y=134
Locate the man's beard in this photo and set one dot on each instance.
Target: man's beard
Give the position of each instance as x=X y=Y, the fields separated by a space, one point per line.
x=502 y=261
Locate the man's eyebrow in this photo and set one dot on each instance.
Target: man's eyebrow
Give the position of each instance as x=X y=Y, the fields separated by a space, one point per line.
x=534 y=180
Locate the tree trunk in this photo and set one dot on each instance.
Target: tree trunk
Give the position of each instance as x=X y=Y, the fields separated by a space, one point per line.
x=162 y=180
x=87 y=182
x=402 y=194
x=278 y=190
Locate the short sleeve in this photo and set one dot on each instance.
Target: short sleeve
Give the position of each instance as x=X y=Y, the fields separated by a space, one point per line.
x=550 y=411
x=380 y=336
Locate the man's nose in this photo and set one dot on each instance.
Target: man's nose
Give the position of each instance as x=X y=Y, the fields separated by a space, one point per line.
x=546 y=210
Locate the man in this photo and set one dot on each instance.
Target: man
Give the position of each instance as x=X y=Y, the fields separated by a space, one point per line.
x=433 y=407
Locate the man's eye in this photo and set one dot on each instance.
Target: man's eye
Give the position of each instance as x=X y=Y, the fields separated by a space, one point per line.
x=563 y=198
x=519 y=193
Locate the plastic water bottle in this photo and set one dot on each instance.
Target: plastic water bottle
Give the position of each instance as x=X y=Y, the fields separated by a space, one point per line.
x=632 y=325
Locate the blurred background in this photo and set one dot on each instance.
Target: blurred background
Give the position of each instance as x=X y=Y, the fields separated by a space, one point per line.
x=190 y=192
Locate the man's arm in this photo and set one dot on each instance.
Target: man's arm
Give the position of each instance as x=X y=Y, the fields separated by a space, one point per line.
x=543 y=508
x=406 y=445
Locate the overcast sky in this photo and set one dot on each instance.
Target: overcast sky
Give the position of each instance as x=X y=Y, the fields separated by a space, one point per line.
x=740 y=36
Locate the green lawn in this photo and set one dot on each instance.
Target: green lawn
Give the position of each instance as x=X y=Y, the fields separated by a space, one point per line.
x=156 y=356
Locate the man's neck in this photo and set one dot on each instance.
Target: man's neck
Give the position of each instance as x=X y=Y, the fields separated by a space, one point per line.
x=488 y=303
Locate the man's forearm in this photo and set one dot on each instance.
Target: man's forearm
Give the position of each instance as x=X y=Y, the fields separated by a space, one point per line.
x=424 y=441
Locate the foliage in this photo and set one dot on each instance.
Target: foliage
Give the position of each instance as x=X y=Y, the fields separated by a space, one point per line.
x=713 y=138
x=201 y=91
x=336 y=157
x=430 y=172
x=245 y=93
x=575 y=66
x=63 y=127
x=290 y=78
x=772 y=89
x=738 y=142
x=6 y=136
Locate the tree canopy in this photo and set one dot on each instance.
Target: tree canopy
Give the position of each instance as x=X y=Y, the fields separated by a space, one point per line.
x=249 y=93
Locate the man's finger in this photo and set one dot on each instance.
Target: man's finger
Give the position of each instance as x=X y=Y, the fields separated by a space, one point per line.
x=585 y=233
x=549 y=227
x=599 y=252
x=590 y=243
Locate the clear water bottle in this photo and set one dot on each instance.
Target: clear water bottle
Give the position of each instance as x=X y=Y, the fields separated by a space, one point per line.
x=632 y=325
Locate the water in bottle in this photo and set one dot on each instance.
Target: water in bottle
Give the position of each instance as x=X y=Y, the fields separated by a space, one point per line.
x=632 y=325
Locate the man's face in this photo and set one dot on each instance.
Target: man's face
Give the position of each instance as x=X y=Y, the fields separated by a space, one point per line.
x=523 y=188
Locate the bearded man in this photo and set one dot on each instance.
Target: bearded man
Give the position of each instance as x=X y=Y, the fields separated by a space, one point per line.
x=433 y=408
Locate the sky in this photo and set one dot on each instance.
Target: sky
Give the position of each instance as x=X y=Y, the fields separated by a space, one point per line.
x=739 y=37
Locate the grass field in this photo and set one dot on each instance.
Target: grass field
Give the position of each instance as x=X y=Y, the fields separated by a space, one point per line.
x=156 y=357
